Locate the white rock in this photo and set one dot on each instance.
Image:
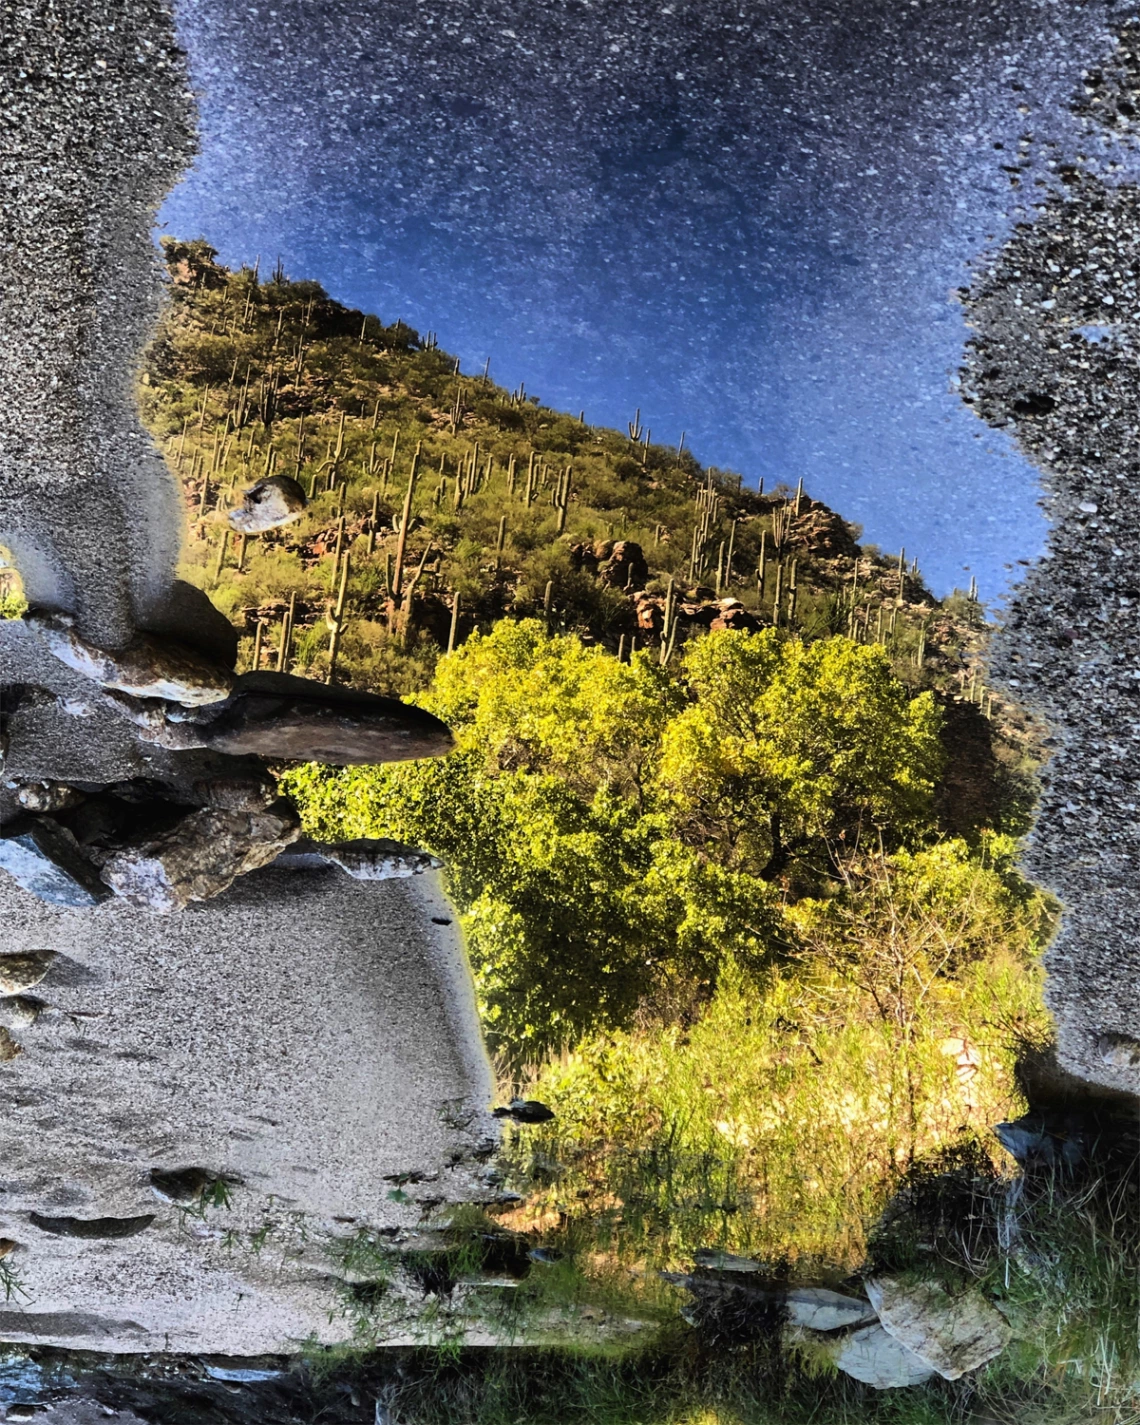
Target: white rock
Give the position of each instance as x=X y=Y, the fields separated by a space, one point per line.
x=953 y=1334
x=876 y=1358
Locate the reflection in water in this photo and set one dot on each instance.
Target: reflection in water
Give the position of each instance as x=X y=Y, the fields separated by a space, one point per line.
x=727 y=814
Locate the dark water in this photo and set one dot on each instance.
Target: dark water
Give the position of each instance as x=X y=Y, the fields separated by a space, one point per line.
x=747 y=220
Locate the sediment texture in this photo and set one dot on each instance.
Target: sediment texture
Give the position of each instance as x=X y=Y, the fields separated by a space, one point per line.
x=1055 y=359
x=97 y=125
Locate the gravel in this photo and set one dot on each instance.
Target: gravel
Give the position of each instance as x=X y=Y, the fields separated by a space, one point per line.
x=1054 y=361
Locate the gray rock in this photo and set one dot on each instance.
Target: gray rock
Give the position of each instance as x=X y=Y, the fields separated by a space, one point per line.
x=46 y=859
x=48 y=796
x=148 y=667
x=363 y=860
x=953 y=1334
x=287 y=719
x=24 y=970
x=818 y=1309
x=877 y=1358
x=269 y=504
x=1119 y=1051
x=725 y=1261
x=199 y=857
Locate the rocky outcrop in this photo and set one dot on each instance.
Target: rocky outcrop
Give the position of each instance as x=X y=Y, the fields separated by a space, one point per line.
x=269 y=504
x=200 y=856
x=951 y=1333
x=625 y=568
x=148 y=667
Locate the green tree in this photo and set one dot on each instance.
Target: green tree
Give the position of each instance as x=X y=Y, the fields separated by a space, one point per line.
x=791 y=749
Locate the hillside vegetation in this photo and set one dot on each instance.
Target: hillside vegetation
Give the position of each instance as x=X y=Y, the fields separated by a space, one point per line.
x=731 y=823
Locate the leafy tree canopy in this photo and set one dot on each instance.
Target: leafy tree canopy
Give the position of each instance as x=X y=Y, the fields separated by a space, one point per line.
x=608 y=827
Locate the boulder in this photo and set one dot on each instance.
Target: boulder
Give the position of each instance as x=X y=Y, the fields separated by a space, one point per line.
x=24 y=970
x=269 y=504
x=287 y=719
x=626 y=567
x=199 y=856
x=951 y=1332
x=875 y=1357
x=816 y=1308
x=148 y=667
x=363 y=860
x=236 y=793
x=46 y=859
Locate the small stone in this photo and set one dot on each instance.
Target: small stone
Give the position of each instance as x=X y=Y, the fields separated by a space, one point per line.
x=183 y=1185
x=149 y=666
x=525 y=1110
x=1119 y=1051
x=269 y=504
x=46 y=860
x=363 y=860
x=199 y=856
x=873 y=1356
x=7 y=1247
x=1087 y=507
x=9 y=1049
x=48 y=796
x=20 y=1011
x=725 y=1261
x=23 y=970
x=953 y=1334
x=818 y=1309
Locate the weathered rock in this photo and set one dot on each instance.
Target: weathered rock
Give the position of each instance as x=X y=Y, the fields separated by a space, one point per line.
x=48 y=796
x=818 y=1309
x=1119 y=1051
x=363 y=860
x=269 y=504
x=626 y=567
x=46 y=859
x=199 y=856
x=953 y=1334
x=20 y=1011
x=236 y=793
x=148 y=667
x=875 y=1357
x=91 y=1227
x=23 y=971
x=282 y=718
x=9 y=1049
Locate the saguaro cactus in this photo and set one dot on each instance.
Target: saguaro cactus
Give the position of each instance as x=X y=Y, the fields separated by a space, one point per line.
x=405 y=521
